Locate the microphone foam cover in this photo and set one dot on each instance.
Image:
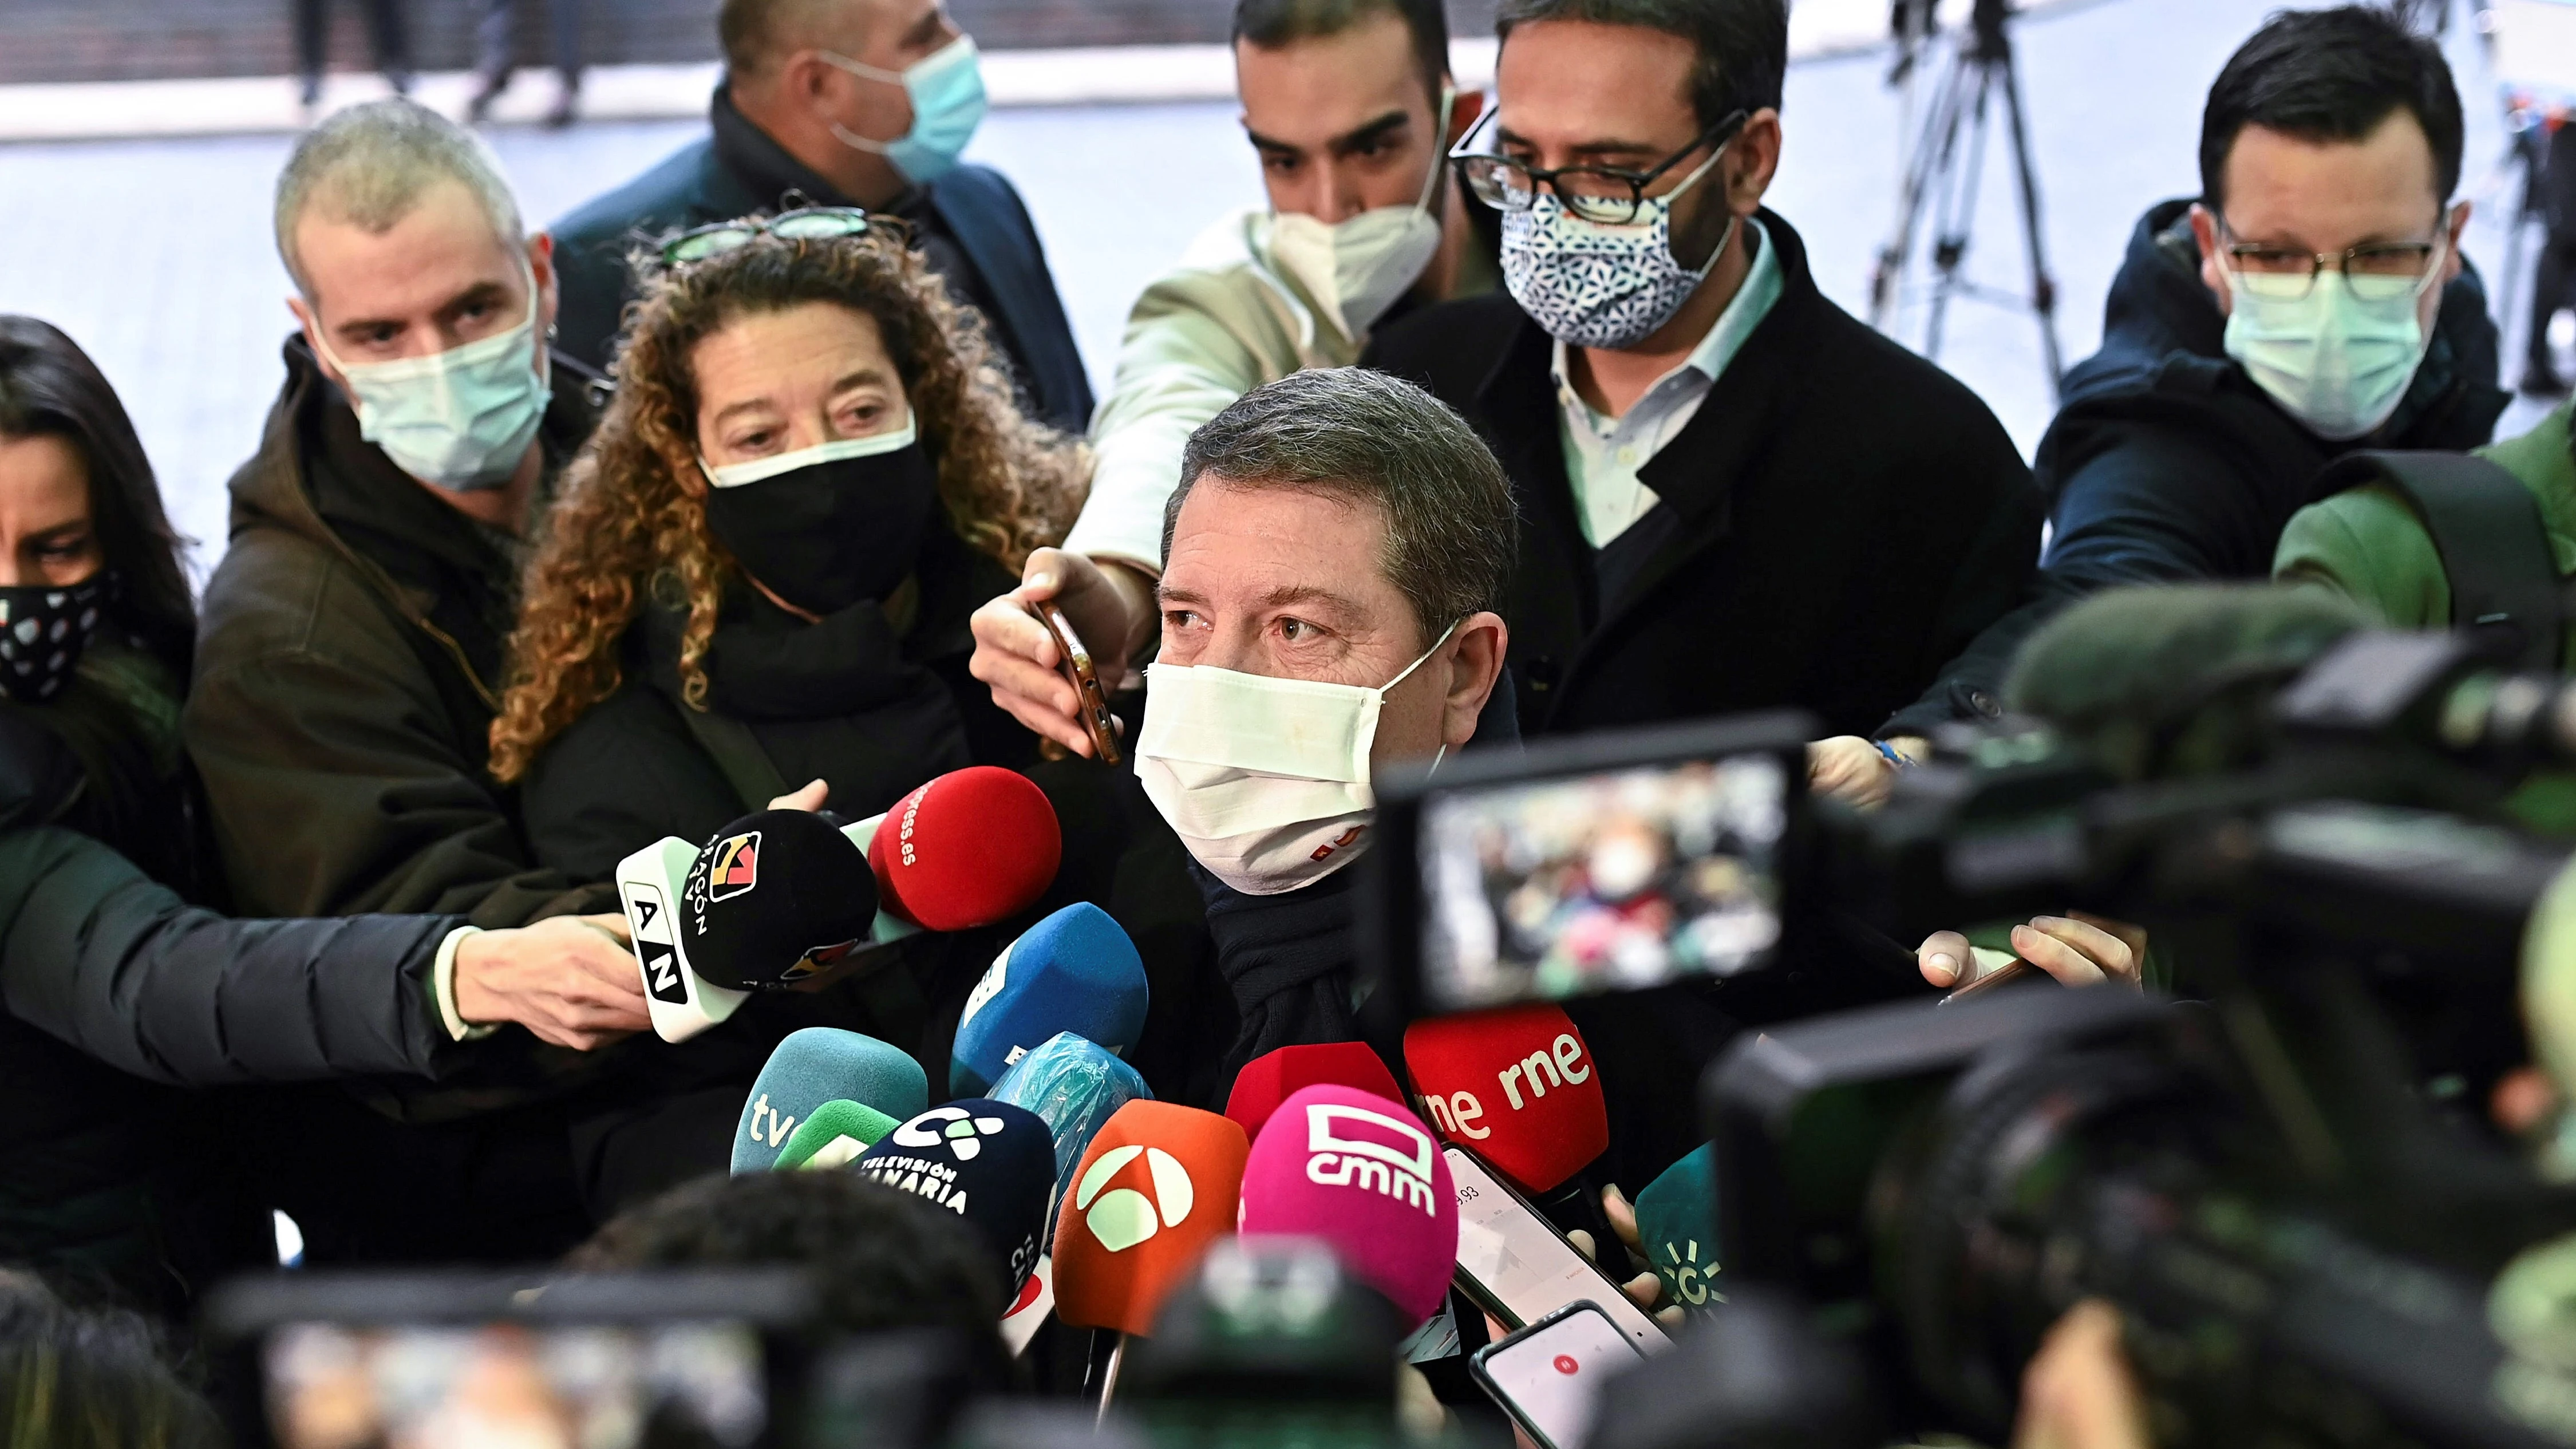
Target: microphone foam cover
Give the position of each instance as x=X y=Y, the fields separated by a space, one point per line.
x=1073 y=971
x=1361 y=1173
x=968 y=848
x=1677 y=1226
x=814 y=1066
x=1158 y=1185
x=1268 y=1080
x=1074 y=1087
x=991 y=1163
x=833 y=1136
x=773 y=898
x=1517 y=1085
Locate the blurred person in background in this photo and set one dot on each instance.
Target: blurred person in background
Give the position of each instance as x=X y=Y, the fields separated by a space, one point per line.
x=1737 y=496
x=2312 y=300
x=863 y=103
x=388 y=33
x=350 y=663
x=90 y=1378
x=2552 y=150
x=1350 y=109
x=496 y=57
x=812 y=472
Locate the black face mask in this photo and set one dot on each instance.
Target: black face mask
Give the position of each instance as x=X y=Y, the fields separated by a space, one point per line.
x=830 y=534
x=42 y=632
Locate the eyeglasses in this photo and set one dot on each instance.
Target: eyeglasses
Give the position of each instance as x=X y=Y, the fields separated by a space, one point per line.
x=806 y=223
x=1609 y=195
x=2375 y=271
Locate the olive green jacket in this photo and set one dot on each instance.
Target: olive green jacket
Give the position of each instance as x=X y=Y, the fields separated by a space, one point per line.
x=2368 y=544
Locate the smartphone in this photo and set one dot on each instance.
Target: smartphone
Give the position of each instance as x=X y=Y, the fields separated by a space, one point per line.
x=1085 y=679
x=1548 y=1376
x=1515 y=1265
x=1994 y=968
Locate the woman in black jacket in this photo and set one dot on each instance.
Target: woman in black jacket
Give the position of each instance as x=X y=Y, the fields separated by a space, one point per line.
x=761 y=571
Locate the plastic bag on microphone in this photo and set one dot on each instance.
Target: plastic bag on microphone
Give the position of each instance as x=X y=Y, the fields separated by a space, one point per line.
x=1074 y=1086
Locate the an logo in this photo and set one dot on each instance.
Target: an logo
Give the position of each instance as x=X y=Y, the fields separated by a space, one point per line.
x=736 y=868
x=996 y=976
x=952 y=1125
x=1400 y=1170
x=650 y=922
x=1122 y=1217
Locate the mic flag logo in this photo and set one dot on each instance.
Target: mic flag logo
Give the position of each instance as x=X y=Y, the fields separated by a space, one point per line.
x=648 y=920
x=736 y=868
x=954 y=1126
x=1122 y=1217
x=1401 y=1171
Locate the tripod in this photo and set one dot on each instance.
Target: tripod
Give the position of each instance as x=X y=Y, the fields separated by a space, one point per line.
x=1941 y=177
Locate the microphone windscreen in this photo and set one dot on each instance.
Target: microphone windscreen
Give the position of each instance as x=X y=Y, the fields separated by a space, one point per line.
x=1074 y=1087
x=817 y=1065
x=1677 y=1227
x=967 y=849
x=1073 y=971
x=1517 y=1085
x=1269 y=1079
x=773 y=898
x=833 y=1136
x=1361 y=1173
x=991 y=1163
x=1159 y=1184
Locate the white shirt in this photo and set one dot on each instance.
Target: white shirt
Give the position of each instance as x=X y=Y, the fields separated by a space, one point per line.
x=1602 y=455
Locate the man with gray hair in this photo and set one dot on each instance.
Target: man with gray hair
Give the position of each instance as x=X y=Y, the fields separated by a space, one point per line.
x=351 y=644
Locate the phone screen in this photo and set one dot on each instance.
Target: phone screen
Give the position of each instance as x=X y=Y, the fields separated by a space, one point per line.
x=1616 y=881
x=1550 y=1374
x=1516 y=1257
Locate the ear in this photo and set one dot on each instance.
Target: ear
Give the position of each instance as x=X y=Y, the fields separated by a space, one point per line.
x=541 y=267
x=2213 y=267
x=1751 y=161
x=2459 y=227
x=1475 y=663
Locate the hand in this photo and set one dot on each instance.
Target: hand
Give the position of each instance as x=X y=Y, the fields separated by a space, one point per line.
x=2076 y=949
x=1112 y=608
x=572 y=980
x=1854 y=771
x=808 y=797
x=1646 y=1288
x=2078 y=1392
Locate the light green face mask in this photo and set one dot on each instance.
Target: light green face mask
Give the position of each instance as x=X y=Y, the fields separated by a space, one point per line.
x=2338 y=358
x=460 y=419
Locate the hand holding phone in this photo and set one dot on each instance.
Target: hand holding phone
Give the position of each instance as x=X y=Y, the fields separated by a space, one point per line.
x=1515 y=1265
x=1092 y=701
x=1548 y=1376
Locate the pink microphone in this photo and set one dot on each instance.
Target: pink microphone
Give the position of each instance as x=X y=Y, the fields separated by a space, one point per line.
x=1363 y=1174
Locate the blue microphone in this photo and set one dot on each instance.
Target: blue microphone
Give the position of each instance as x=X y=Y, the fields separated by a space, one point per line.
x=816 y=1066
x=990 y=1163
x=1074 y=971
x=1073 y=1086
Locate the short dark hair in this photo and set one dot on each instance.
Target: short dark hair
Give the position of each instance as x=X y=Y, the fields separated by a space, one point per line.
x=880 y=1258
x=2330 y=75
x=1271 y=24
x=81 y=1378
x=1365 y=437
x=1743 y=44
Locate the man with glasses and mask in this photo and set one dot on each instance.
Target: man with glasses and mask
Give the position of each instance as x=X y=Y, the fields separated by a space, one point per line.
x=2312 y=301
x=1350 y=109
x=1737 y=496
x=864 y=103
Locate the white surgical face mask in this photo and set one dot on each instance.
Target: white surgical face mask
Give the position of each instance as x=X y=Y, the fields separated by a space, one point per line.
x=1590 y=284
x=1265 y=780
x=1355 y=268
x=460 y=419
x=2338 y=362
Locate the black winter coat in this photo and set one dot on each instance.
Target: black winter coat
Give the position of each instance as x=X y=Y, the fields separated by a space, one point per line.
x=1837 y=519
x=2168 y=463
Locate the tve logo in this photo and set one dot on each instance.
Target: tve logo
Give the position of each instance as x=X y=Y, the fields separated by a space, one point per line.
x=1350 y=1147
x=780 y=1124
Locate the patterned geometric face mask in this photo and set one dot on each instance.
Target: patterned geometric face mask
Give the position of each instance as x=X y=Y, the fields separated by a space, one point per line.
x=1591 y=284
x=42 y=632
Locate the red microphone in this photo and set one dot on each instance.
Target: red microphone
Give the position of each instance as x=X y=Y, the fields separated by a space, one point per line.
x=1158 y=1184
x=1362 y=1173
x=1519 y=1088
x=1269 y=1079
x=967 y=849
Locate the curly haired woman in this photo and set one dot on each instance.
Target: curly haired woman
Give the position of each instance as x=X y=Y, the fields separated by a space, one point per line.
x=761 y=570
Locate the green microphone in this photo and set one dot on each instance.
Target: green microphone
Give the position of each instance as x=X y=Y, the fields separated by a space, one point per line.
x=833 y=1135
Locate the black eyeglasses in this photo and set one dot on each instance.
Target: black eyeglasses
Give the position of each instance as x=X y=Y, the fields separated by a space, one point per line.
x=2375 y=271
x=1609 y=195
x=806 y=223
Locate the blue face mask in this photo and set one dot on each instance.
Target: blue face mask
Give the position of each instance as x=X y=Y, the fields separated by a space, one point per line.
x=947 y=90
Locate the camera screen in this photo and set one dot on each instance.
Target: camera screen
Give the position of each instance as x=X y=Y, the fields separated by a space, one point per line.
x=499 y=1386
x=1547 y=889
